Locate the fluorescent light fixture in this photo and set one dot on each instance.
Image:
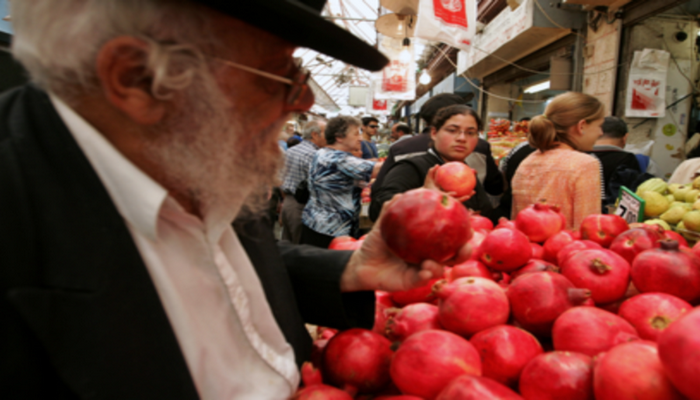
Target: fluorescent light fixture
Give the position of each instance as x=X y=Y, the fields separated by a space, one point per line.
x=538 y=87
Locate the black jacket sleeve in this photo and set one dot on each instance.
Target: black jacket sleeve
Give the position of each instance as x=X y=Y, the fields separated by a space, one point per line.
x=315 y=274
x=401 y=178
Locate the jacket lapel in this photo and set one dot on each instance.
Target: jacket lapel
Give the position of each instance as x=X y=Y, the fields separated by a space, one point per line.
x=89 y=298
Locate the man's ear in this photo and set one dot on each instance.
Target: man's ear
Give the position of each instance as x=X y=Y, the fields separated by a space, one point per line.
x=126 y=81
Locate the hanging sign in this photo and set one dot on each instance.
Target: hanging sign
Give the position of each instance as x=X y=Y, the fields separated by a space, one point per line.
x=646 y=88
x=397 y=80
x=449 y=21
x=630 y=206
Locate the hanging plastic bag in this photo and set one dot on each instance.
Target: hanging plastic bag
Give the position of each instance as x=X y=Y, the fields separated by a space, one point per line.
x=646 y=87
x=398 y=79
x=452 y=22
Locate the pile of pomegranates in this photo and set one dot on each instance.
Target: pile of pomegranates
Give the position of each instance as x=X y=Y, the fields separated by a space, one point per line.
x=536 y=313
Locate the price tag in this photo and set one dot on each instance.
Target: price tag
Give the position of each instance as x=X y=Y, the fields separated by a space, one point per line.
x=630 y=206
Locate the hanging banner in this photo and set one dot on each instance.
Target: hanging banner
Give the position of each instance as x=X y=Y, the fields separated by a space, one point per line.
x=376 y=106
x=452 y=22
x=398 y=79
x=646 y=87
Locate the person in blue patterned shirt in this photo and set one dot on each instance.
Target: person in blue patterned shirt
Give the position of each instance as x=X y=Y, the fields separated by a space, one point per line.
x=296 y=166
x=334 y=180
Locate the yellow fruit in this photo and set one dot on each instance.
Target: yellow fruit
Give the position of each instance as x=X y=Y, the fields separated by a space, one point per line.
x=656 y=204
x=680 y=193
x=663 y=223
x=691 y=220
x=687 y=206
x=674 y=215
x=654 y=184
x=692 y=196
x=696 y=205
x=670 y=198
x=696 y=183
x=673 y=187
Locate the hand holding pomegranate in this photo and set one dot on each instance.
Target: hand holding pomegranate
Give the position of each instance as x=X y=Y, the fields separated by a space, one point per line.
x=444 y=184
x=375 y=267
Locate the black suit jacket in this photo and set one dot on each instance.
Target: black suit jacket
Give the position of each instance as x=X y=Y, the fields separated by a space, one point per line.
x=79 y=314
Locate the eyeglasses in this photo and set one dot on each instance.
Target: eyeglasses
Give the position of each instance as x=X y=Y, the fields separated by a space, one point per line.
x=298 y=85
x=373 y=126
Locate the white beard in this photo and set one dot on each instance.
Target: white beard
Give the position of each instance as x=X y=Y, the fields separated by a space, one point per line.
x=209 y=155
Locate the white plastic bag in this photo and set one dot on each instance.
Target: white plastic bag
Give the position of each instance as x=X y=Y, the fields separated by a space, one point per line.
x=646 y=87
x=452 y=22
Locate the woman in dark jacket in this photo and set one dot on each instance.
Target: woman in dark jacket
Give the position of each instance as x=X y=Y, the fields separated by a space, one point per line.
x=454 y=133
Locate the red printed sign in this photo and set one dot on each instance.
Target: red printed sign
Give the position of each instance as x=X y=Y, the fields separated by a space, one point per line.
x=395 y=77
x=379 y=105
x=452 y=12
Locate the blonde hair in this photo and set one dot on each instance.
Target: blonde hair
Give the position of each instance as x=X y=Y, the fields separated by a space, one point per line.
x=565 y=111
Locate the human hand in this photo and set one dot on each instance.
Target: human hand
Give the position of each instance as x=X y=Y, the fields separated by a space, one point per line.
x=375 y=267
x=430 y=183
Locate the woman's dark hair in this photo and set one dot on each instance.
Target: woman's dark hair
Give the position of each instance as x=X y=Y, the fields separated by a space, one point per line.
x=338 y=127
x=448 y=112
x=564 y=111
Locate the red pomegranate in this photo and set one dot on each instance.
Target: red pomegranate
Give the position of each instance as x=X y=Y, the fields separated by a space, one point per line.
x=505 y=350
x=679 y=350
x=469 y=305
x=602 y=228
x=558 y=375
x=383 y=302
x=422 y=294
x=614 y=307
x=471 y=268
x=398 y=397
x=555 y=243
x=652 y=313
x=314 y=387
x=632 y=371
x=427 y=361
x=344 y=243
x=315 y=392
x=538 y=298
x=603 y=272
x=424 y=224
x=634 y=241
x=539 y=222
x=573 y=248
x=504 y=222
x=358 y=358
x=668 y=270
x=696 y=249
x=537 y=251
x=478 y=237
x=590 y=331
x=456 y=177
x=480 y=222
x=505 y=250
x=677 y=237
x=534 y=265
x=469 y=387
x=411 y=319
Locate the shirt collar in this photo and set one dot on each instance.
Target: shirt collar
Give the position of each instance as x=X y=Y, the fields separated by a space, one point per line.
x=137 y=197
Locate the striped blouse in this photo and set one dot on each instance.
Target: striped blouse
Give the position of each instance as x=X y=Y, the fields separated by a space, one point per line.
x=563 y=177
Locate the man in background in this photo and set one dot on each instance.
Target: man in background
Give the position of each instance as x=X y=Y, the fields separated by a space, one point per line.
x=370 y=126
x=296 y=167
x=400 y=132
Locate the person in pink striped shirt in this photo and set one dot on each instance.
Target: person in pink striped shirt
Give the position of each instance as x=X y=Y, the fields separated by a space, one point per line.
x=559 y=172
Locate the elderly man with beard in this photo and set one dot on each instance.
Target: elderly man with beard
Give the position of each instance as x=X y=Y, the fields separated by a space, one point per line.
x=149 y=127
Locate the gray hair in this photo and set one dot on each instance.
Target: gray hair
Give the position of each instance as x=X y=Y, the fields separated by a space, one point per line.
x=339 y=126
x=310 y=128
x=44 y=29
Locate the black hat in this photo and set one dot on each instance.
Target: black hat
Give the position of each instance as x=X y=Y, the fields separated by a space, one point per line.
x=435 y=103
x=300 y=22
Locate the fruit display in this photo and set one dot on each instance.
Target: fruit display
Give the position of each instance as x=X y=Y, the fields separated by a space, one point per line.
x=537 y=312
x=503 y=136
x=673 y=206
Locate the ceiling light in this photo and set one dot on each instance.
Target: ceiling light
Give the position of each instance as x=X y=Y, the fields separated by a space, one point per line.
x=538 y=87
